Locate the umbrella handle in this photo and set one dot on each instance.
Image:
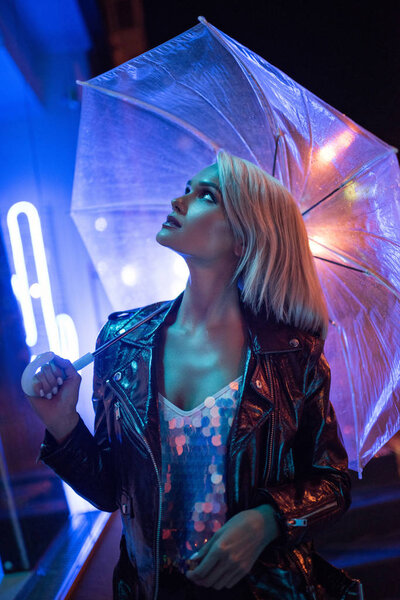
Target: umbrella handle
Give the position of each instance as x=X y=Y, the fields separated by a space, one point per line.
x=42 y=359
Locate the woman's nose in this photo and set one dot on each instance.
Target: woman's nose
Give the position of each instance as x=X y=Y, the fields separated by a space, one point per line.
x=179 y=205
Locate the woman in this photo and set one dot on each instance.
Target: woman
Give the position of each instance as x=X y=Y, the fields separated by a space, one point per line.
x=218 y=494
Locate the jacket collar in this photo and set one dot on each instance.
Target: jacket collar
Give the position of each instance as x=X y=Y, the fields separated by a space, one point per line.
x=266 y=335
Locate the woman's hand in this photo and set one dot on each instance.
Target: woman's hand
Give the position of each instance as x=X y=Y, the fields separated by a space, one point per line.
x=232 y=551
x=56 y=386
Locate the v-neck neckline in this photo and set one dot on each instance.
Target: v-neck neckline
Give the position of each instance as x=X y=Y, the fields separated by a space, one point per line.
x=187 y=413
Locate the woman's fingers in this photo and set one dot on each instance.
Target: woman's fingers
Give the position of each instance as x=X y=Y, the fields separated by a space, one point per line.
x=208 y=571
x=51 y=377
x=38 y=386
x=44 y=388
x=216 y=579
x=66 y=368
x=230 y=580
x=58 y=373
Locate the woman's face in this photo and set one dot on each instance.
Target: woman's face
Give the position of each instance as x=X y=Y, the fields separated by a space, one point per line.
x=198 y=228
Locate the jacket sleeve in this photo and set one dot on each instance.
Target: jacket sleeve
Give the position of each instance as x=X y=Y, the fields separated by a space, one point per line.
x=85 y=461
x=320 y=491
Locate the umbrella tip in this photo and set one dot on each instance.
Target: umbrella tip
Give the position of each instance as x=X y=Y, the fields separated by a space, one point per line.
x=202 y=20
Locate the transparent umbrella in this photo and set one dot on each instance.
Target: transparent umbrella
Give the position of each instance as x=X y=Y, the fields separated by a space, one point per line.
x=151 y=123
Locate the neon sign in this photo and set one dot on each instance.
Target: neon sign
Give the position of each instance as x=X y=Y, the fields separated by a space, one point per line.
x=60 y=329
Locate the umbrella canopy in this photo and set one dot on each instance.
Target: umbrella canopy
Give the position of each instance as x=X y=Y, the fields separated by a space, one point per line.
x=150 y=124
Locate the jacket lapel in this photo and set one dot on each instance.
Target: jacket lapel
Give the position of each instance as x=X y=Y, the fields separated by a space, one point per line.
x=266 y=338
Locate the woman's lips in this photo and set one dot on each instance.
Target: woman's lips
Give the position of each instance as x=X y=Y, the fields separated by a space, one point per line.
x=172 y=222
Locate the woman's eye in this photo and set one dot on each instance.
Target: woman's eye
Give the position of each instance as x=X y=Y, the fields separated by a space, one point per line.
x=208 y=195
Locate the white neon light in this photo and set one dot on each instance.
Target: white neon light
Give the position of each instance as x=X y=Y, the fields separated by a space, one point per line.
x=60 y=329
x=35 y=230
x=69 y=343
x=20 y=286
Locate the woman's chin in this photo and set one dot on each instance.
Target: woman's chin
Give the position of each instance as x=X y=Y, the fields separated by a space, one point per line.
x=162 y=237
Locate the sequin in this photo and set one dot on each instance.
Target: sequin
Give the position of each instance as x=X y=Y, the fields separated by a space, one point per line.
x=215 y=478
x=214 y=411
x=166 y=534
x=193 y=449
x=215 y=525
x=179 y=422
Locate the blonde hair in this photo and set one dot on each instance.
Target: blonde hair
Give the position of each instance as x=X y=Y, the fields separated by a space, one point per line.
x=276 y=269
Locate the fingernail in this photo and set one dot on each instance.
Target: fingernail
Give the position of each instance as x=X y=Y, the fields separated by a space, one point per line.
x=49 y=396
x=60 y=381
x=55 y=390
x=41 y=393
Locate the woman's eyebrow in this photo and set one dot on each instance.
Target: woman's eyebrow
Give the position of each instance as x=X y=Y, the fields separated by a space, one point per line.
x=206 y=184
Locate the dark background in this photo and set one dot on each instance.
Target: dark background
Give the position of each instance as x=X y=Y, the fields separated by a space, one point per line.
x=344 y=52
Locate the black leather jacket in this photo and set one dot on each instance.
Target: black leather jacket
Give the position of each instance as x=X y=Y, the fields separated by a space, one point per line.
x=284 y=448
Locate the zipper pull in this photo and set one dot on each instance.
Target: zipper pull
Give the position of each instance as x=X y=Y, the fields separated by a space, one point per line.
x=297 y=522
x=117 y=411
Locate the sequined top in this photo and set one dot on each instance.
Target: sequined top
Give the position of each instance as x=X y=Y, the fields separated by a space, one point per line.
x=193 y=448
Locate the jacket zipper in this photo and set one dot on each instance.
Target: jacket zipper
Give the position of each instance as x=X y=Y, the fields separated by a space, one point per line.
x=234 y=425
x=271 y=436
x=302 y=521
x=131 y=423
x=117 y=411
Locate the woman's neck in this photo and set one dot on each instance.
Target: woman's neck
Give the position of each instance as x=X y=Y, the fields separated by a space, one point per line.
x=210 y=302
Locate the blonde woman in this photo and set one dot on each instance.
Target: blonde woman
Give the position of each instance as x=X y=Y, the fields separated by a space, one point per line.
x=214 y=433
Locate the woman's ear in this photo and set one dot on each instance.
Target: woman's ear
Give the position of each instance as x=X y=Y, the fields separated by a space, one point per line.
x=239 y=249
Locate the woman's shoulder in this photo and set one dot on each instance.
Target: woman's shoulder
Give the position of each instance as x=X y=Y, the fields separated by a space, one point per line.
x=273 y=336
x=121 y=321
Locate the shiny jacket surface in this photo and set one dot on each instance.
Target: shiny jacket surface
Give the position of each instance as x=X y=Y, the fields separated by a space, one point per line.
x=284 y=448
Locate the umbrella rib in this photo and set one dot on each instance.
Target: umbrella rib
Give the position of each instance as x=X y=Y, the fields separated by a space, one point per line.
x=208 y=102
x=333 y=262
x=154 y=109
x=346 y=355
x=247 y=72
x=311 y=142
x=353 y=177
x=278 y=137
x=381 y=280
